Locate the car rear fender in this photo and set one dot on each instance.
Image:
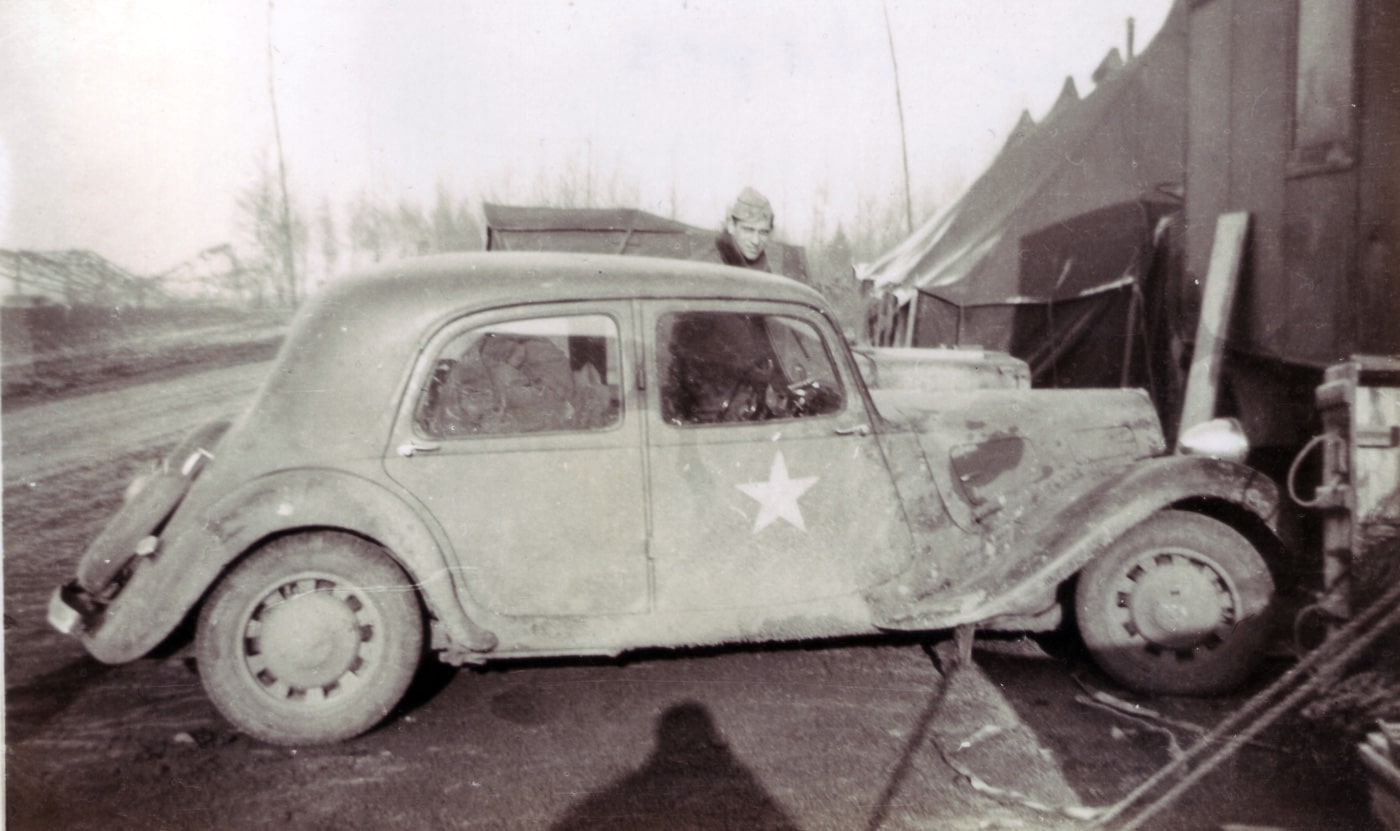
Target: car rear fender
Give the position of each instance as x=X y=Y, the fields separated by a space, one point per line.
x=200 y=545
x=150 y=500
x=1034 y=556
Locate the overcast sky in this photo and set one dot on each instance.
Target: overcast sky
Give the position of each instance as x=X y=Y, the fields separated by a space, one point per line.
x=129 y=126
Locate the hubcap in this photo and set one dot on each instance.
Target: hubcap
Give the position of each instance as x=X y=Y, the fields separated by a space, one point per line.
x=1176 y=601
x=310 y=640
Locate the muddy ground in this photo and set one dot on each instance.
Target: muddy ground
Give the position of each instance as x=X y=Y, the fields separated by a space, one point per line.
x=837 y=736
x=58 y=363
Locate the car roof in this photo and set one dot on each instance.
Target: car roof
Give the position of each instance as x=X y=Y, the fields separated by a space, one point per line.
x=497 y=278
x=334 y=390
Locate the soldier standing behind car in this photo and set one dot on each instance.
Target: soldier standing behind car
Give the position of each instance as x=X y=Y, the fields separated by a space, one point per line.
x=743 y=240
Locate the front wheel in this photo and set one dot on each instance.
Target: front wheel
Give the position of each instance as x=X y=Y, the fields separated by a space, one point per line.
x=1178 y=605
x=311 y=640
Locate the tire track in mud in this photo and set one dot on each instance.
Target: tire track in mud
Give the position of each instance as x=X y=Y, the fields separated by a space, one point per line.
x=48 y=439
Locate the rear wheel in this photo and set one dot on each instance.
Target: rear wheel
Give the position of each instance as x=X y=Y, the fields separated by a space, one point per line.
x=312 y=639
x=1178 y=605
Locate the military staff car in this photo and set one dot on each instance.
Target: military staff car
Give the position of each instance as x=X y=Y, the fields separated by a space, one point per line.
x=506 y=456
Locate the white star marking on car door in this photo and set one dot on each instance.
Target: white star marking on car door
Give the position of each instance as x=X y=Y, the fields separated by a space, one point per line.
x=777 y=498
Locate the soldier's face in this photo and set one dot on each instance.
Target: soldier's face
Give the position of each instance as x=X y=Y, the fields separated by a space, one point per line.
x=750 y=237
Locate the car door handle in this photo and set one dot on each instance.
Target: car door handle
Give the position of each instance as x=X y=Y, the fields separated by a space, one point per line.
x=857 y=430
x=413 y=447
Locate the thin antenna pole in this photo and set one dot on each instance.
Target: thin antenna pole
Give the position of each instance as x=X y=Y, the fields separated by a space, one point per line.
x=899 y=105
x=288 y=255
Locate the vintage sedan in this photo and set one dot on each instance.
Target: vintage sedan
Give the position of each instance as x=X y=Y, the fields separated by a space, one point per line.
x=508 y=456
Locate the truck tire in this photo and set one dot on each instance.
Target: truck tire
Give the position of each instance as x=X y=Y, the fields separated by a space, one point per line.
x=311 y=640
x=1179 y=605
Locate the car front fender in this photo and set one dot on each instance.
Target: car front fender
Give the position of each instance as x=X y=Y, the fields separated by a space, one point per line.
x=199 y=545
x=1028 y=559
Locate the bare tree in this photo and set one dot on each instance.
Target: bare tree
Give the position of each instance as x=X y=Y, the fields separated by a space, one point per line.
x=566 y=189
x=880 y=227
x=618 y=191
x=367 y=227
x=330 y=238
x=411 y=230
x=472 y=220
x=274 y=231
x=583 y=183
x=454 y=228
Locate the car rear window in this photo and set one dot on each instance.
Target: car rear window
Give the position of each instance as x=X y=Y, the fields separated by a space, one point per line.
x=526 y=376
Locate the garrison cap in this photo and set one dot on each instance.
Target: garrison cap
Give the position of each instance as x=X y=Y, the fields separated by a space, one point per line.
x=751 y=206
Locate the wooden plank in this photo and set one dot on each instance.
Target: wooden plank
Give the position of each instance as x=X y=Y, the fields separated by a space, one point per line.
x=1203 y=382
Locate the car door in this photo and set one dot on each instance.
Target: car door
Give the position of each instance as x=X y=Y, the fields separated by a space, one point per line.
x=768 y=488
x=524 y=442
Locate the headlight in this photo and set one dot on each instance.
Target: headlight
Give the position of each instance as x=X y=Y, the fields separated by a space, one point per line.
x=1219 y=438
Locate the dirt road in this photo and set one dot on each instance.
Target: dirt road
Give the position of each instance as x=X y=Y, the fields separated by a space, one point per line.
x=48 y=439
x=850 y=736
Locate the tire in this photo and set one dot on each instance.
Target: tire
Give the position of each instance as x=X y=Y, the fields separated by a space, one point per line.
x=1179 y=605
x=311 y=640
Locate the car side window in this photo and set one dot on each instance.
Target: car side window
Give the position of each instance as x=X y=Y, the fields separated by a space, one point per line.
x=726 y=367
x=538 y=375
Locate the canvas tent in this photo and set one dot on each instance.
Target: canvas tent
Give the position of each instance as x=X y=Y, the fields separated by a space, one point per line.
x=612 y=231
x=1055 y=252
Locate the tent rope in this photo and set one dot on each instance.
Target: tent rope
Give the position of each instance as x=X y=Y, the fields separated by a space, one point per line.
x=1320 y=668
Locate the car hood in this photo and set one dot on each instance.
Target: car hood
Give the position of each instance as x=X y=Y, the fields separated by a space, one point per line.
x=1037 y=412
x=990 y=448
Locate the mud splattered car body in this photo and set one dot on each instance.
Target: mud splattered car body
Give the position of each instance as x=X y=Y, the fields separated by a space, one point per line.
x=551 y=455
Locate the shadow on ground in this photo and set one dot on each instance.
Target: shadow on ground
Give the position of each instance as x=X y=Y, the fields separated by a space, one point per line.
x=30 y=706
x=691 y=781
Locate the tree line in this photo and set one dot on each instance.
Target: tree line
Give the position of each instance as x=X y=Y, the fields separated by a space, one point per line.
x=326 y=240
x=372 y=226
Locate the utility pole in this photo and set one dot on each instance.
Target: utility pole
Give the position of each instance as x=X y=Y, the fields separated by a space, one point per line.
x=903 y=138
x=288 y=254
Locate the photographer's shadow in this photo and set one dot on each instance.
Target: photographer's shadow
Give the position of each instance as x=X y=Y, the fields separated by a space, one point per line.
x=691 y=781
